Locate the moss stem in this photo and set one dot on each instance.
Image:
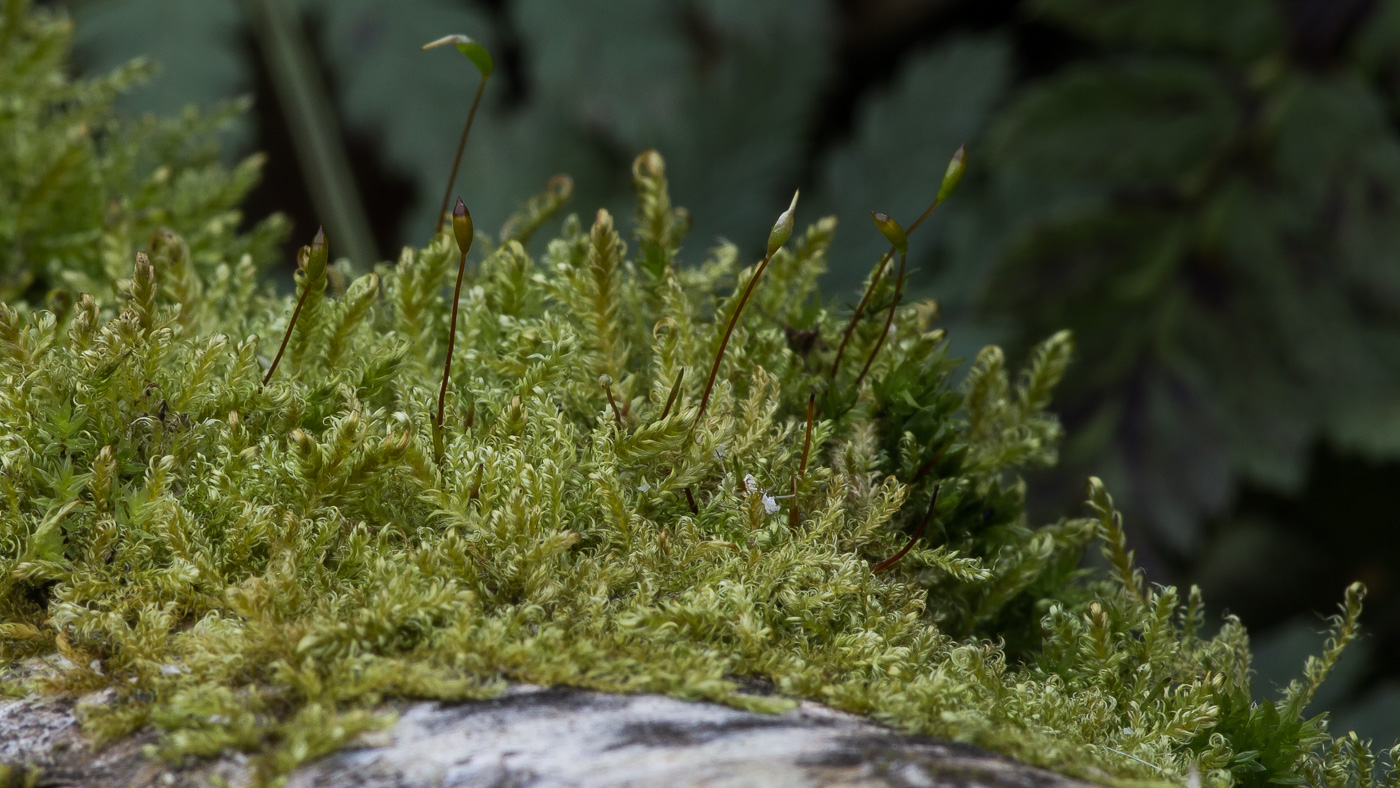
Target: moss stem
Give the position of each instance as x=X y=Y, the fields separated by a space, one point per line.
x=889 y=321
x=729 y=330
x=793 y=515
x=870 y=290
x=918 y=532
x=451 y=340
x=464 y=231
x=675 y=392
x=457 y=160
x=287 y=336
x=617 y=414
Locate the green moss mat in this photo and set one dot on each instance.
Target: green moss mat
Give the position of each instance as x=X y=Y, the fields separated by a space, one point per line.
x=260 y=566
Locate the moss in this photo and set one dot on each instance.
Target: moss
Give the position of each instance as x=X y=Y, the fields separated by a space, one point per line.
x=259 y=567
x=82 y=190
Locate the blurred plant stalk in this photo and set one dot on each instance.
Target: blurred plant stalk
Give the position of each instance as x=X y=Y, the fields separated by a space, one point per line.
x=315 y=133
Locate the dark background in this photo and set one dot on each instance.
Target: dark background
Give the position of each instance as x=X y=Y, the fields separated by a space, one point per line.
x=1207 y=192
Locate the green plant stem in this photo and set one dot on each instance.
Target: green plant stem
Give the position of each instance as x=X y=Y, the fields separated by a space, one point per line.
x=457 y=160
x=312 y=123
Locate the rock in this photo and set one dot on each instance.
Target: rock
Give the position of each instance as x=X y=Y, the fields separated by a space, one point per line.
x=548 y=737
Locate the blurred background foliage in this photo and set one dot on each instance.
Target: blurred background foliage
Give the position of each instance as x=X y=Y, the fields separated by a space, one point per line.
x=1206 y=192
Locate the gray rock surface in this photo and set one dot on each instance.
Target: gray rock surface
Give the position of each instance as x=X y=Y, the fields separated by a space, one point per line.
x=553 y=737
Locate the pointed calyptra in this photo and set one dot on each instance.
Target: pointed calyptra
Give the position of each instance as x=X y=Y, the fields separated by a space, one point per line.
x=892 y=231
x=473 y=49
x=317 y=255
x=462 y=226
x=782 y=229
x=954 y=174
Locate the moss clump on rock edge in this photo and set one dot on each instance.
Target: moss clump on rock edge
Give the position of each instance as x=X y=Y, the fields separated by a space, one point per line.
x=260 y=567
